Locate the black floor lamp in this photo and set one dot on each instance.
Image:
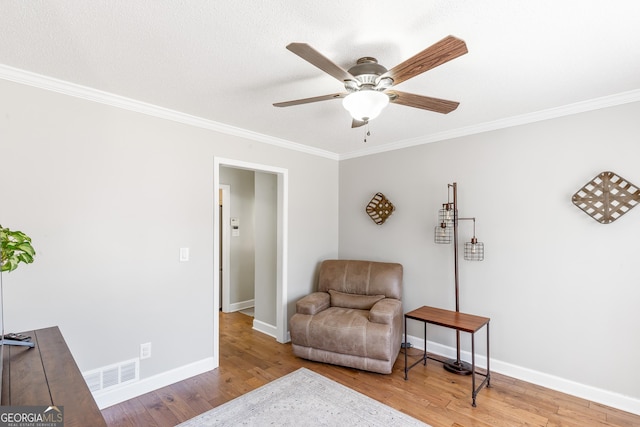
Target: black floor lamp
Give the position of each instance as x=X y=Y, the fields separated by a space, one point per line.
x=473 y=251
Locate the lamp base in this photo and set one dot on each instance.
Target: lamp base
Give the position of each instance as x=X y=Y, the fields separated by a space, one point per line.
x=457 y=367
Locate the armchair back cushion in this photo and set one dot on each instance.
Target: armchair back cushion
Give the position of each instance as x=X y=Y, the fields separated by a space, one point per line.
x=361 y=277
x=361 y=302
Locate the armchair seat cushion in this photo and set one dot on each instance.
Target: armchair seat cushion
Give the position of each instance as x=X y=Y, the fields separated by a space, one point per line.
x=345 y=331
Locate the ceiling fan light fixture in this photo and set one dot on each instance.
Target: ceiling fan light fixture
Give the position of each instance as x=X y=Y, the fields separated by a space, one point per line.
x=366 y=104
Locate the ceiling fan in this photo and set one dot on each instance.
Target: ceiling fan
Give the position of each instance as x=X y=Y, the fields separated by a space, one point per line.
x=369 y=85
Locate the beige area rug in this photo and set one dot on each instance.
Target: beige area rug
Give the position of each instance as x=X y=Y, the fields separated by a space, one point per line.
x=303 y=398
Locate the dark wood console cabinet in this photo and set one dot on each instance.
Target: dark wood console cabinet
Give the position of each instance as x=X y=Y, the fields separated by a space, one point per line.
x=48 y=375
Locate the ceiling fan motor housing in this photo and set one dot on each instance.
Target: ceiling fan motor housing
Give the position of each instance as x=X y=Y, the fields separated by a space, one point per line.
x=367 y=72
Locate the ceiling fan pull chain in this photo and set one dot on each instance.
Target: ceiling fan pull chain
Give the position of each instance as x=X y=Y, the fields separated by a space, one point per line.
x=367 y=133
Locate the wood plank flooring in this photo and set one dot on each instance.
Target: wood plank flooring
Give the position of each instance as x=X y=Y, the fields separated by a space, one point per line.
x=250 y=359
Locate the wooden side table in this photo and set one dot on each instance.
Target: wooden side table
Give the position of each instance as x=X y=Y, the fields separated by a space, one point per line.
x=454 y=320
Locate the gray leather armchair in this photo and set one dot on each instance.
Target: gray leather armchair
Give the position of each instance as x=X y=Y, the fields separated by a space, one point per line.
x=355 y=317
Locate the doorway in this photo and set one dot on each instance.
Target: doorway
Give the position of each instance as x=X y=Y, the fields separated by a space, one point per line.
x=281 y=176
x=239 y=253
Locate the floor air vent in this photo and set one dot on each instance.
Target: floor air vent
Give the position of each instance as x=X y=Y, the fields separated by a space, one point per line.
x=112 y=375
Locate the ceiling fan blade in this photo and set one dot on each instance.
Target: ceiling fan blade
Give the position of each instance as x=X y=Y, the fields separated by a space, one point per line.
x=443 y=51
x=314 y=57
x=424 y=102
x=309 y=100
x=357 y=123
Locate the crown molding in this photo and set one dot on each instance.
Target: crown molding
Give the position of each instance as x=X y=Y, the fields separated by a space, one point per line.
x=71 y=89
x=551 y=113
x=78 y=91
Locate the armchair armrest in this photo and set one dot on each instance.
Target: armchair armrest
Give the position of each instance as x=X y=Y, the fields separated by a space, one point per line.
x=313 y=303
x=385 y=311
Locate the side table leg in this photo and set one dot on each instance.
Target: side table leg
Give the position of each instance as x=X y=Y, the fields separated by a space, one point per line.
x=424 y=355
x=473 y=369
x=406 y=370
x=488 y=358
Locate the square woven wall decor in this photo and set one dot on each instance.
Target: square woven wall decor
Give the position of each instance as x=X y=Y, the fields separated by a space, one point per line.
x=607 y=197
x=380 y=208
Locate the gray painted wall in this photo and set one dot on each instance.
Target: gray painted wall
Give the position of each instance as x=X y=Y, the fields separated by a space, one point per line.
x=109 y=196
x=561 y=289
x=266 y=187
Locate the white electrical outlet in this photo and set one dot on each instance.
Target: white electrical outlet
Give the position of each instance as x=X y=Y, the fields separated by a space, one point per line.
x=145 y=350
x=184 y=254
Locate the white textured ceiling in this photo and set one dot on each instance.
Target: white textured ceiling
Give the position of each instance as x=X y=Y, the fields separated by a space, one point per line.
x=225 y=60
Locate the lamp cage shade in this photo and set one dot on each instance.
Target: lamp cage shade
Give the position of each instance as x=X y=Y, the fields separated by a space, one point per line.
x=446 y=215
x=442 y=235
x=474 y=250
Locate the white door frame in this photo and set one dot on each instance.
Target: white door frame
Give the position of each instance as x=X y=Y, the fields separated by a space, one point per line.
x=226 y=247
x=282 y=247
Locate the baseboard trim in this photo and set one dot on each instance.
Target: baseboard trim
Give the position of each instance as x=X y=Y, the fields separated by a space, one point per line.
x=594 y=394
x=106 y=398
x=238 y=306
x=265 y=328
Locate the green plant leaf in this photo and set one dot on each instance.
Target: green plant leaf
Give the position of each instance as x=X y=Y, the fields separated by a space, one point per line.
x=16 y=248
x=27 y=248
x=25 y=257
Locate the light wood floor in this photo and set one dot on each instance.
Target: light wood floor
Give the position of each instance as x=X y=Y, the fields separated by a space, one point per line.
x=250 y=359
